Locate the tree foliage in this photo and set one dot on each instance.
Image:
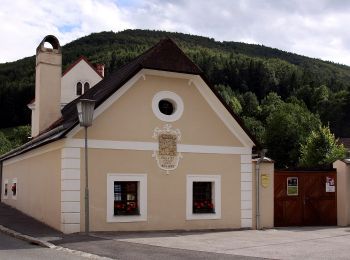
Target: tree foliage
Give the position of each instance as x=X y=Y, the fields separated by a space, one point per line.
x=287 y=128
x=5 y=144
x=321 y=149
x=11 y=138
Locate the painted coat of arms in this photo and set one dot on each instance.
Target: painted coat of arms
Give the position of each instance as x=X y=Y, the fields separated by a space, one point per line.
x=167 y=156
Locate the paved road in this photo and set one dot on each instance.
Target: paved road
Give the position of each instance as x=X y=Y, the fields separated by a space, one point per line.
x=11 y=248
x=284 y=243
x=133 y=251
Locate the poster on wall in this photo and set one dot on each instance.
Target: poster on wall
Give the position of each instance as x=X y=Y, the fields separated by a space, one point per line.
x=330 y=184
x=292 y=186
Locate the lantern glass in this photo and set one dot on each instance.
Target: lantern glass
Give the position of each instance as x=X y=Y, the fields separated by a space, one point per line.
x=85 y=109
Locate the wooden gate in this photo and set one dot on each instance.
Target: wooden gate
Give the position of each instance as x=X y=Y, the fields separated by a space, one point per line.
x=305 y=198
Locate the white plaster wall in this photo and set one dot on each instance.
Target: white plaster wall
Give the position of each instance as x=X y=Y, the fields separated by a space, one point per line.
x=80 y=72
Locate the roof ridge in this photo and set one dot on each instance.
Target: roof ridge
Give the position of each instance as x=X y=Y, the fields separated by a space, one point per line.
x=72 y=65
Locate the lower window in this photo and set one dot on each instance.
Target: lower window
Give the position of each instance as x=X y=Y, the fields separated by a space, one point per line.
x=14 y=188
x=6 y=188
x=126 y=198
x=203 y=197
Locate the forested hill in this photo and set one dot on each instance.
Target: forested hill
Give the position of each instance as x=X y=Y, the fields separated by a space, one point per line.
x=255 y=80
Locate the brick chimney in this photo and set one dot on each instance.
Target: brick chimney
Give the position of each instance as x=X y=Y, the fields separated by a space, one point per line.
x=47 y=85
x=100 y=69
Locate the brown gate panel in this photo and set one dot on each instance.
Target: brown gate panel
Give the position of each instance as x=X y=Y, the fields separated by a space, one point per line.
x=308 y=199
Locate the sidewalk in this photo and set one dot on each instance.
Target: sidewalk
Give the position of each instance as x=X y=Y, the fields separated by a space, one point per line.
x=17 y=221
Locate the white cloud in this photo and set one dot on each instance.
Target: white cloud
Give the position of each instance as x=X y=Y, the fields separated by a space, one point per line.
x=25 y=23
x=316 y=28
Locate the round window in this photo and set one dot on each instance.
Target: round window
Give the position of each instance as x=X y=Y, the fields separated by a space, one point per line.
x=167 y=106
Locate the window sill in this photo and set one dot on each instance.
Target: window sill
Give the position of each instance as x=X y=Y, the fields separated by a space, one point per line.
x=127 y=218
x=200 y=213
x=203 y=216
x=127 y=215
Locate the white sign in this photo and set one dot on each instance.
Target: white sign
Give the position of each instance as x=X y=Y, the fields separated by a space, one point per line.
x=330 y=184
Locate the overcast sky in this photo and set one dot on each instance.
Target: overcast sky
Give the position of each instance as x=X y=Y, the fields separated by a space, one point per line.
x=314 y=28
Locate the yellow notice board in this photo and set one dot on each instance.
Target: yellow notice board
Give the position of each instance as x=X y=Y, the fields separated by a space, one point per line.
x=265 y=180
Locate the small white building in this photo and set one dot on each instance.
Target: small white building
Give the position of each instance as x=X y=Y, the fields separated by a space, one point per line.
x=78 y=78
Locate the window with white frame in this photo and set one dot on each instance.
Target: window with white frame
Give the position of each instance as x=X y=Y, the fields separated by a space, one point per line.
x=126 y=197
x=6 y=188
x=14 y=188
x=203 y=197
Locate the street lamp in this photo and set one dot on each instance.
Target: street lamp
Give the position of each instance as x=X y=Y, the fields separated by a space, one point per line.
x=85 y=109
x=257 y=170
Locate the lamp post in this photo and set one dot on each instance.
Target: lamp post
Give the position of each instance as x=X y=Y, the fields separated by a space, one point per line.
x=257 y=169
x=85 y=109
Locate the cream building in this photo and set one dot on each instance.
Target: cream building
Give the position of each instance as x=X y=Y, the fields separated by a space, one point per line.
x=165 y=152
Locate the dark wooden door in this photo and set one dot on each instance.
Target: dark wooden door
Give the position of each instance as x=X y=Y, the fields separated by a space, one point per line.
x=312 y=202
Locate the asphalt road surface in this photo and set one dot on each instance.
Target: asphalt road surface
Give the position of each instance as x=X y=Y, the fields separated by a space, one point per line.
x=134 y=251
x=12 y=248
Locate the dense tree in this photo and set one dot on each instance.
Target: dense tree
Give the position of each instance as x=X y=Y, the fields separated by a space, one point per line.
x=287 y=128
x=256 y=127
x=5 y=144
x=11 y=138
x=270 y=104
x=250 y=104
x=228 y=95
x=321 y=149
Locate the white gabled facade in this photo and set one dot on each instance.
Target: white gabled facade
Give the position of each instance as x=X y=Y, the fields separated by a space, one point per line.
x=81 y=72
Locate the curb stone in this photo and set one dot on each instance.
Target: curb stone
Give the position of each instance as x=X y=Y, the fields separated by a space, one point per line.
x=81 y=253
x=46 y=244
x=29 y=239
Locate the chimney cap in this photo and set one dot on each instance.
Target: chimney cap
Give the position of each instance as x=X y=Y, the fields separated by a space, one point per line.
x=53 y=41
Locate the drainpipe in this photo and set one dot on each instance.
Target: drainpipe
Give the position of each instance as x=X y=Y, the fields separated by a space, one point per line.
x=257 y=173
x=1 y=180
